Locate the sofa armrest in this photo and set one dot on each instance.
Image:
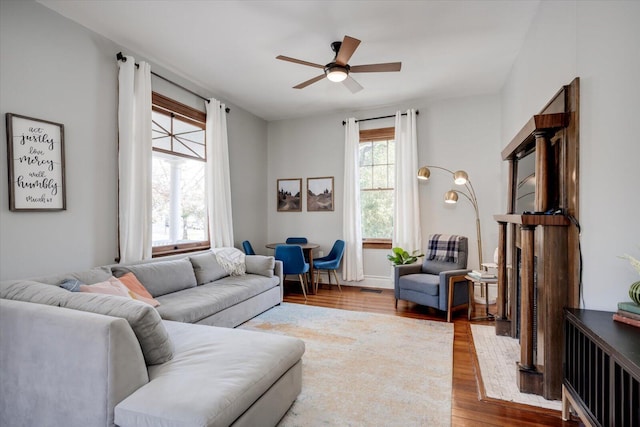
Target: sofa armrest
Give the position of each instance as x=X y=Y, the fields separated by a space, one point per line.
x=277 y=271
x=402 y=270
x=49 y=354
x=458 y=276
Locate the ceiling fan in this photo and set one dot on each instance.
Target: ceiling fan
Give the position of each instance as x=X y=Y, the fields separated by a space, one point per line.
x=338 y=70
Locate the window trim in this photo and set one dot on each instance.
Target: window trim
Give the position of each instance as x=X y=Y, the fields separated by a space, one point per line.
x=164 y=104
x=376 y=243
x=373 y=135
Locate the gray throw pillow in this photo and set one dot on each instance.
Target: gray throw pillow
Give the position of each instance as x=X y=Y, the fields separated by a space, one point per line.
x=206 y=268
x=162 y=277
x=145 y=321
x=260 y=264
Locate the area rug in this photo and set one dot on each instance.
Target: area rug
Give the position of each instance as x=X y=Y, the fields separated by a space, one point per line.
x=497 y=358
x=365 y=369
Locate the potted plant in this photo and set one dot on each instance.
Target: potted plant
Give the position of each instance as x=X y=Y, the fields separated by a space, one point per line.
x=634 y=290
x=401 y=257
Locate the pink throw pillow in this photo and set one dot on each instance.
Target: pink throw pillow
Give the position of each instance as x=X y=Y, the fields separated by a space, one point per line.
x=138 y=291
x=111 y=286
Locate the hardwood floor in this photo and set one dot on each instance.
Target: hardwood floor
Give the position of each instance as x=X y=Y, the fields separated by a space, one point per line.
x=467 y=409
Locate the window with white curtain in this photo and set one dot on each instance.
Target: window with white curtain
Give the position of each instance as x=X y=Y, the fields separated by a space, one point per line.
x=179 y=205
x=377 y=182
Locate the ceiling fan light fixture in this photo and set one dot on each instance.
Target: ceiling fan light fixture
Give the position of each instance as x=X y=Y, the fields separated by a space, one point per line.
x=339 y=69
x=336 y=73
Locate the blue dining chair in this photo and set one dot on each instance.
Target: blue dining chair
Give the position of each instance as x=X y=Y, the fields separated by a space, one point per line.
x=293 y=240
x=293 y=263
x=296 y=240
x=248 y=249
x=330 y=263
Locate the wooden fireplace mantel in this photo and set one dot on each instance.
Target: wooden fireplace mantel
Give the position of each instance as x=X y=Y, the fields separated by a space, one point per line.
x=542 y=248
x=526 y=136
x=528 y=219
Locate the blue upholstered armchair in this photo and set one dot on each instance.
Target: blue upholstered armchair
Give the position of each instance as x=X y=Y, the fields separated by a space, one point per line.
x=439 y=281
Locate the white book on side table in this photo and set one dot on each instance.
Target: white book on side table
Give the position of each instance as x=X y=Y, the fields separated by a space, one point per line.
x=477 y=274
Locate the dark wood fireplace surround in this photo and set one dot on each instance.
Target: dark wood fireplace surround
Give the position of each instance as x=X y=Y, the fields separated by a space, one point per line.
x=542 y=249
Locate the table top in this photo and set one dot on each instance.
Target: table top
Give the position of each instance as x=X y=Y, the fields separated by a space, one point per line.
x=307 y=245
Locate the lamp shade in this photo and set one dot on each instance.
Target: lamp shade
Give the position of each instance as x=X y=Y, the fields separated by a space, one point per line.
x=451 y=196
x=424 y=173
x=460 y=177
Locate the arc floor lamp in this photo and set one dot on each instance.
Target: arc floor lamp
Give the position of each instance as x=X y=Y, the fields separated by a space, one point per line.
x=461 y=178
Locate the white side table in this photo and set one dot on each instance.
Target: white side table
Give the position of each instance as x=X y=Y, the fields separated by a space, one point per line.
x=484 y=288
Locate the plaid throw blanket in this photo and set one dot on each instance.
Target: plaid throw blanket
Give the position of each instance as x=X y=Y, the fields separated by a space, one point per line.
x=443 y=247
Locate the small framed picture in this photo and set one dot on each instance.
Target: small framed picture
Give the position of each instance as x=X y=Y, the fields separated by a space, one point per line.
x=290 y=195
x=35 y=156
x=320 y=194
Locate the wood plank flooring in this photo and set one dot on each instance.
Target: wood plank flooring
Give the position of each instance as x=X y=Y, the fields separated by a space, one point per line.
x=467 y=409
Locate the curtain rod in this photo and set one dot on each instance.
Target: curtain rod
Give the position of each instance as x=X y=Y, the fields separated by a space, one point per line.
x=121 y=57
x=381 y=117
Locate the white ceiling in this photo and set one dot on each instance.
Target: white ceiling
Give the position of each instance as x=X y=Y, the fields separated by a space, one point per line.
x=447 y=48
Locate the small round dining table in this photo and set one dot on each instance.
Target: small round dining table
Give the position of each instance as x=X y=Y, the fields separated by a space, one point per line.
x=307 y=249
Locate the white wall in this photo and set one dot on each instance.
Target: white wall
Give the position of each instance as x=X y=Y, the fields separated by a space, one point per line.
x=56 y=70
x=305 y=148
x=457 y=134
x=598 y=42
x=462 y=133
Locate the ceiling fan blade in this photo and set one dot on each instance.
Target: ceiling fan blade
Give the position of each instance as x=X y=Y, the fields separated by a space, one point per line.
x=352 y=85
x=298 y=61
x=309 y=82
x=349 y=45
x=376 y=68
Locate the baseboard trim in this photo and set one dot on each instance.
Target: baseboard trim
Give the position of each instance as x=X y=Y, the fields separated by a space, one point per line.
x=380 y=282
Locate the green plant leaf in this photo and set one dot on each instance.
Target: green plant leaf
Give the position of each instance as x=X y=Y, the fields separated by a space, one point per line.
x=400 y=256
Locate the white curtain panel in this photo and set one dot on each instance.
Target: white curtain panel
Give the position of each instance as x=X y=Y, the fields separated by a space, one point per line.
x=218 y=181
x=406 y=212
x=134 y=160
x=352 y=267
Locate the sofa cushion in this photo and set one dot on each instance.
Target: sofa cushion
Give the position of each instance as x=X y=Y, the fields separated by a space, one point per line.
x=259 y=264
x=195 y=304
x=144 y=320
x=214 y=377
x=29 y=291
x=206 y=268
x=425 y=283
x=94 y=275
x=162 y=277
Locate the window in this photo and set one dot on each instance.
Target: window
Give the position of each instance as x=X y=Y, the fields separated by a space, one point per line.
x=377 y=182
x=179 y=205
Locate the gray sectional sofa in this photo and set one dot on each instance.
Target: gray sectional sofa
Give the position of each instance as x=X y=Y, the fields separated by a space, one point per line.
x=89 y=359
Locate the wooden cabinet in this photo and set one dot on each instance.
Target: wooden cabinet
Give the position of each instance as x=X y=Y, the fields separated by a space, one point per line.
x=541 y=247
x=601 y=369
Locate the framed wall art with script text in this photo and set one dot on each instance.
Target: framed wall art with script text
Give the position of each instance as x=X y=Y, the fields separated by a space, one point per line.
x=35 y=156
